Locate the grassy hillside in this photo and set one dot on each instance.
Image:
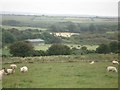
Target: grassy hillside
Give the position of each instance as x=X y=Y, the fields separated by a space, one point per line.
x=62 y=72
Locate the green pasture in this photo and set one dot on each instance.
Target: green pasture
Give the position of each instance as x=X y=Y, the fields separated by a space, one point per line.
x=21 y=18
x=22 y=27
x=45 y=72
x=53 y=19
x=42 y=47
x=46 y=46
x=111 y=32
x=89 y=47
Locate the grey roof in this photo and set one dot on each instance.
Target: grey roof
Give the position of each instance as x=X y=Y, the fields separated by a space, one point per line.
x=35 y=40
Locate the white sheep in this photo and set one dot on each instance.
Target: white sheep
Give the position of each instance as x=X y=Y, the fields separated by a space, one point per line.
x=112 y=68
x=2 y=72
x=13 y=66
x=115 y=62
x=10 y=71
x=24 y=69
x=92 y=62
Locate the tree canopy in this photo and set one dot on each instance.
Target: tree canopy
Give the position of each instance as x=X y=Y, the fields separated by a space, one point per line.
x=21 y=48
x=59 y=49
x=103 y=48
x=50 y=38
x=8 y=37
x=113 y=47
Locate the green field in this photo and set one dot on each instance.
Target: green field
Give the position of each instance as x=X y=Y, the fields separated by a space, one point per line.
x=22 y=27
x=46 y=46
x=53 y=19
x=62 y=72
x=42 y=47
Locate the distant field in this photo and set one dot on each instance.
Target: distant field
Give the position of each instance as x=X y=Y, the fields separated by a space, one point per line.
x=42 y=47
x=46 y=46
x=45 y=72
x=111 y=32
x=53 y=19
x=22 y=27
x=18 y=18
x=89 y=47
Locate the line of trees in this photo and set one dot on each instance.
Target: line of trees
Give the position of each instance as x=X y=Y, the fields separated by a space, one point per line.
x=81 y=27
x=24 y=49
x=65 y=26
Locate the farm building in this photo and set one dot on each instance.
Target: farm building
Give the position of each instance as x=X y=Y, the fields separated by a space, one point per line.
x=36 y=41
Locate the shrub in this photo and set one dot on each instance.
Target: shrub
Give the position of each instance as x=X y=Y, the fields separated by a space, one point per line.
x=113 y=47
x=103 y=48
x=59 y=49
x=21 y=48
x=8 y=37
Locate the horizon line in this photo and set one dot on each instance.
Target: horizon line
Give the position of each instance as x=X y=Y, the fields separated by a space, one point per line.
x=50 y=14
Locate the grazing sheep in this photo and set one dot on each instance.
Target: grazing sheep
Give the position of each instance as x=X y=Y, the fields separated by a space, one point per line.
x=92 y=62
x=13 y=66
x=2 y=72
x=24 y=69
x=115 y=62
x=10 y=71
x=111 y=68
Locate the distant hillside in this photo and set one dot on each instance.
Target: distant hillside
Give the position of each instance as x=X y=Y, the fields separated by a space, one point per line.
x=87 y=29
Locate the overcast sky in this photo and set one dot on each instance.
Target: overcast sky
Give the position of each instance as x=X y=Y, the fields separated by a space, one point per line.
x=74 y=7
